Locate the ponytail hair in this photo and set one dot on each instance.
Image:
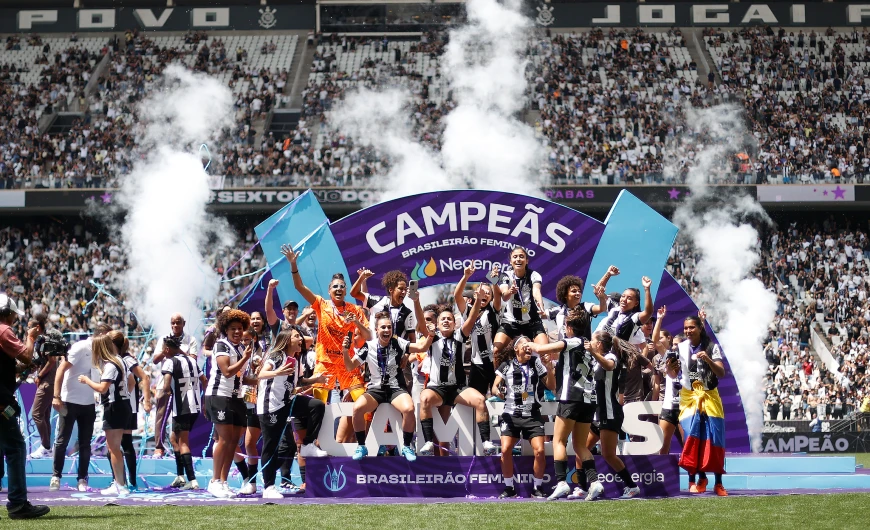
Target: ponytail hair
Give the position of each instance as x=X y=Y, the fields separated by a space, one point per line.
x=579 y=320
x=509 y=352
x=626 y=352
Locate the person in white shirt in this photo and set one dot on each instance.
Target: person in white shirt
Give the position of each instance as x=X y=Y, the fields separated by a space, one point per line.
x=74 y=401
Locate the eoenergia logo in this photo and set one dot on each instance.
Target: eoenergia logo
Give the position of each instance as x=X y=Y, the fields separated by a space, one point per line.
x=334 y=480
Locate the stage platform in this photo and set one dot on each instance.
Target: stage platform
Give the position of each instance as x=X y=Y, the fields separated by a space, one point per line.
x=750 y=473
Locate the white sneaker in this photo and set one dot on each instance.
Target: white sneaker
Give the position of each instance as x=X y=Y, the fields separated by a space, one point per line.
x=54 y=484
x=489 y=448
x=228 y=493
x=82 y=485
x=630 y=493
x=178 y=482
x=248 y=488
x=561 y=489
x=191 y=485
x=312 y=451
x=41 y=452
x=579 y=493
x=595 y=491
x=115 y=489
x=272 y=493
x=428 y=449
x=216 y=489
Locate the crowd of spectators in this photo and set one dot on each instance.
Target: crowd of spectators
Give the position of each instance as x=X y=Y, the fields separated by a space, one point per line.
x=805 y=95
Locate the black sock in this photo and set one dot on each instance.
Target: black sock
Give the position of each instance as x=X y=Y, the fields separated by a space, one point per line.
x=718 y=479
x=407 y=438
x=187 y=458
x=483 y=426
x=590 y=471
x=360 y=437
x=702 y=476
x=428 y=426
x=129 y=457
x=242 y=466
x=179 y=464
x=561 y=470
x=692 y=478
x=252 y=470
x=302 y=473
x=626 y=478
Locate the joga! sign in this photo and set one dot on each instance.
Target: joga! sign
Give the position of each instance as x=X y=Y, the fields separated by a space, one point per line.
x=656 y=475
x=432 y=237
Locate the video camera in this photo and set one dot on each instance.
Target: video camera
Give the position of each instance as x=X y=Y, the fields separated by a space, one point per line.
x=52 y=344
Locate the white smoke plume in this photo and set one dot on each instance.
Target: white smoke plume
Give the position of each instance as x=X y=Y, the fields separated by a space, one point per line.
x=738 y=305
x=485 y=143
x=166 y=230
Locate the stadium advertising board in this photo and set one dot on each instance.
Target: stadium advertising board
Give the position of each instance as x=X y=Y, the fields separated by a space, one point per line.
x=586 y=14
x=816 y=442
x=560 y=15
x=787 y=426
x=168 y=19
x=477 y=476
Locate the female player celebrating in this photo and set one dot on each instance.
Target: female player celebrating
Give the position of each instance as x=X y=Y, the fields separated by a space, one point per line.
x=668 y=386
x=395 y=283
x=447 y=384
x=336 y=318
x=483 y=333
x=569 y=291
x=278 y=379
x=142 y=384
x=575 y=390
x=610 y=354
x=701 y=413
x=223 y=395
x=385 y=357
x=525 y=378
x=116 y=405
x=625 y=318
x=520 y=287
x=251 y=338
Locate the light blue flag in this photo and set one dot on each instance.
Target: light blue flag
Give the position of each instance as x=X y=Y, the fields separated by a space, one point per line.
x=301 y=221
x=636 y=239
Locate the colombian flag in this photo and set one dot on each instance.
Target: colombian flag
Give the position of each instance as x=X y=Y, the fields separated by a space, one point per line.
x=703 y=420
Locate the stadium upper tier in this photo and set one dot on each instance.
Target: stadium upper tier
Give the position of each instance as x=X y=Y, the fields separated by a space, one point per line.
x=608 y=106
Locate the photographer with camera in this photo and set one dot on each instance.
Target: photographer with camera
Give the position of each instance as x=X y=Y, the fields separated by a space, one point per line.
x=11 y=440
x=74 y=401
x=44 y=379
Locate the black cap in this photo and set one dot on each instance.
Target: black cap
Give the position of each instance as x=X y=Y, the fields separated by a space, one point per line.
x=290 y=303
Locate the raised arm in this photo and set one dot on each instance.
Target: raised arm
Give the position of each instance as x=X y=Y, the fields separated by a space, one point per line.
x=647 y=300
x=657 y=329
x=601 y=293
x=609 y=273
x=424 y=342
x=359 y=289
x=493 y=279
x=469 y=322
x=458 y=299
x=418 y=314
x=292 y=256
x=271 y=316
x=548 y=349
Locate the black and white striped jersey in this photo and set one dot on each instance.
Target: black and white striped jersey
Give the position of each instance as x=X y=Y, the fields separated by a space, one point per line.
x=117 y=379
x=626 y=326
x=524 y=387
x=185 y=376
x=574 y=377
x=402 y=316
x=521 y=307
x=557 y=315
x=671 y=393
x=218 y=385
x=607 y=389
x=445 y=355
x=135 y=392
x=483 y=333
x=384 y=362
x=274 y=393
x=695 y=370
